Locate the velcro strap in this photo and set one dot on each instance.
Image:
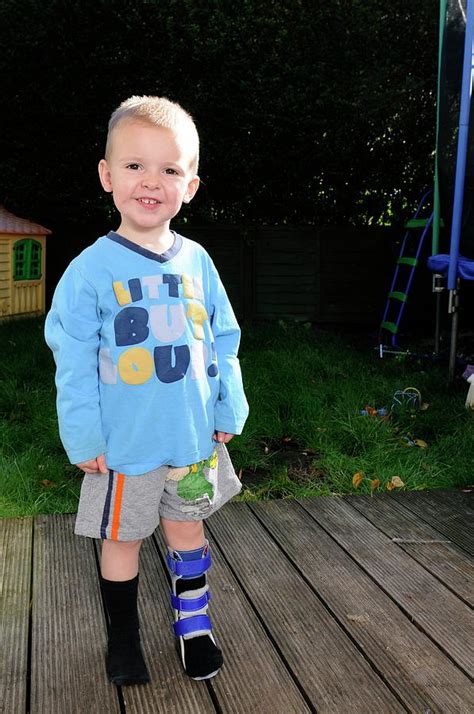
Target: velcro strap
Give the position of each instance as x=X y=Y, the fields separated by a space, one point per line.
x=190 y=604
x=188 y=625
x=189 y=568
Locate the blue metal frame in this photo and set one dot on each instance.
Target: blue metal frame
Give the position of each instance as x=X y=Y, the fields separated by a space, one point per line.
x=466 y=91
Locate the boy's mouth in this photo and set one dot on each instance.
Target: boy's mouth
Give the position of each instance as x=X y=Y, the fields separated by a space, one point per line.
x=148 y=201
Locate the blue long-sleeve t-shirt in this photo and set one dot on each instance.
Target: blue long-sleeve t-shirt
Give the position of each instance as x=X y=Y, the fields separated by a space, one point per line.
x=145 y=347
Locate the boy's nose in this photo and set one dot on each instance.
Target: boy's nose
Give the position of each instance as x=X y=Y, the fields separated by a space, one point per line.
x=151 y=181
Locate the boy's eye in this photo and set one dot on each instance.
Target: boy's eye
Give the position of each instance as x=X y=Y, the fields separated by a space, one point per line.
x=134 y=167
x=171 y=171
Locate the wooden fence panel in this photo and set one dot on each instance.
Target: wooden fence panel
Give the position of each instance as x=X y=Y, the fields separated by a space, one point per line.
x=329 y=275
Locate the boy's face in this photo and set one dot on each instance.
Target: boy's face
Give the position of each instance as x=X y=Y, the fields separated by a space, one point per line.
x=149 y=172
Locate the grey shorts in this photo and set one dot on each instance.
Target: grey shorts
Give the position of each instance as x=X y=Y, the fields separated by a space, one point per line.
x=119 y=507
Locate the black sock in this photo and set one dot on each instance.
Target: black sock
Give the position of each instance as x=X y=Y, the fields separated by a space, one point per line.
x=125 y=663
x=201 y=655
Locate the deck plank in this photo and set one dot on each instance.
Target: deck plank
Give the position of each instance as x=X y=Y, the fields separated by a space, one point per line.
x=246 y=683
x=449 y=512
x=435 y=609
x=15 y=576
x=417 y=538
x=68 y=627
x=423 y=678
x=313 y=645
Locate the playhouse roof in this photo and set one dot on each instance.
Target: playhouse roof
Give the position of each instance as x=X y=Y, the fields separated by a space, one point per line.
x=9 y=223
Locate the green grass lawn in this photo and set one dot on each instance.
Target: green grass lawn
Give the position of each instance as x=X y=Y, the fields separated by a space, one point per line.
x=305 y=435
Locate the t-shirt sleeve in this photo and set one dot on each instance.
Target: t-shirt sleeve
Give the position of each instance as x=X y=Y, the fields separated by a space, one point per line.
x=72 y=331
x=231 y=408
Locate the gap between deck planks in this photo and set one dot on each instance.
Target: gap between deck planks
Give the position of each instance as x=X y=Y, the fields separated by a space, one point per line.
x=302 y=608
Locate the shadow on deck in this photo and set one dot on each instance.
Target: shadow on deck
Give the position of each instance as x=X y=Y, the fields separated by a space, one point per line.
x=337 y=605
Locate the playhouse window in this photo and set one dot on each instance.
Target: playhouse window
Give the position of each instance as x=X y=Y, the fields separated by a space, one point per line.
x=27 y=260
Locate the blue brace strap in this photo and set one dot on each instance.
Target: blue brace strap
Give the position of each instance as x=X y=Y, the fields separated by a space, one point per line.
x=189 y=568
x=191 y=624
x=190 y=604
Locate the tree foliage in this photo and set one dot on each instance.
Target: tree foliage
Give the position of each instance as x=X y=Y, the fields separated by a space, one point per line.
x=309 y=112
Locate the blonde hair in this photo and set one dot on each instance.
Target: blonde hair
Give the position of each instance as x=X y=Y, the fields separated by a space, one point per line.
x=157 y=111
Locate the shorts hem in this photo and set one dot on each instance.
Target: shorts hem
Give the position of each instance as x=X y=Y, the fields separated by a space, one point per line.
x=92 y=533
x=186 y=517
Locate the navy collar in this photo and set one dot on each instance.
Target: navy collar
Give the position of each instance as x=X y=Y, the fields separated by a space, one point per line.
x=159 y=257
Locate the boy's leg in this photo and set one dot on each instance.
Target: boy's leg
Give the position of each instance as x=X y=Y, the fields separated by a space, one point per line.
x=189 y=559
x=119 y=559
x=119 y=585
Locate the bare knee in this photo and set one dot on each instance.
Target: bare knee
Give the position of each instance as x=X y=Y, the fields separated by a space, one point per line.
x=119 y=559
x=183 y=535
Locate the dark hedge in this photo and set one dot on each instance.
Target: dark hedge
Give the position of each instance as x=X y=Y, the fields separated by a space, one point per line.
x=309 y=112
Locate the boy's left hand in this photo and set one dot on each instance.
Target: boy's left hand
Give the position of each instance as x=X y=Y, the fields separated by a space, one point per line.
x=222 y=437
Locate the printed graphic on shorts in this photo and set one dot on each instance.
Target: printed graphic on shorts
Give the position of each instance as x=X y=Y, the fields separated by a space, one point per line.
x=196 y=484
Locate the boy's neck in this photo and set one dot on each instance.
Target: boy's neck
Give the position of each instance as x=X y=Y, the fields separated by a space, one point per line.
x=159 y=240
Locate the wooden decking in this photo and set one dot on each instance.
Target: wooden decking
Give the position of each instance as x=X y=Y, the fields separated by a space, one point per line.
x=357 y=605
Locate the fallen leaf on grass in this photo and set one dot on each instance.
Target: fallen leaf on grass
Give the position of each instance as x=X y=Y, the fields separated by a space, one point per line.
x=357 y=479
x=46 y=484
x=421 y=444
x=395 y=482
x=374 y=484
x=409 y=441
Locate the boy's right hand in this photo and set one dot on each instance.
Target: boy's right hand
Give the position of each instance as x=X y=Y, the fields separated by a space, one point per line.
x=94 y=465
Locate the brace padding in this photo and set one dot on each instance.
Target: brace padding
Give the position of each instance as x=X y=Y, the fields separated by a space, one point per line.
x=188 y=568
x=186 y=605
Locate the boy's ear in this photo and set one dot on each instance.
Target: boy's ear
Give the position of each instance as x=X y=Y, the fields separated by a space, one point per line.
x=104 y=175
x=193 y=186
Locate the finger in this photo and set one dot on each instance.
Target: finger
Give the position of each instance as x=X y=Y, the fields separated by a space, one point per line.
x=91 y=464
x=101 y=465
x=223 y=437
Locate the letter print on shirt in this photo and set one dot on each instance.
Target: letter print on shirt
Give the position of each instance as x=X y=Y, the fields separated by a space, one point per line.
x=177 y=323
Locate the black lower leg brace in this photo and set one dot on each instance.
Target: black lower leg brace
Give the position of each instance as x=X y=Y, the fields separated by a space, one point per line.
x=124 y=662
x=200 y=655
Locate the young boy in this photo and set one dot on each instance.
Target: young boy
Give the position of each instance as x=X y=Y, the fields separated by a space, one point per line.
x=149 y=388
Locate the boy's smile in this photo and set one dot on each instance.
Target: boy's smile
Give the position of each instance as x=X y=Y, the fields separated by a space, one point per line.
x=149 y=171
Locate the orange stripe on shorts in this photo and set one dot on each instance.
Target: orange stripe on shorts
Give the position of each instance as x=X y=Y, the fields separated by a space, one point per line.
x=117 y=507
